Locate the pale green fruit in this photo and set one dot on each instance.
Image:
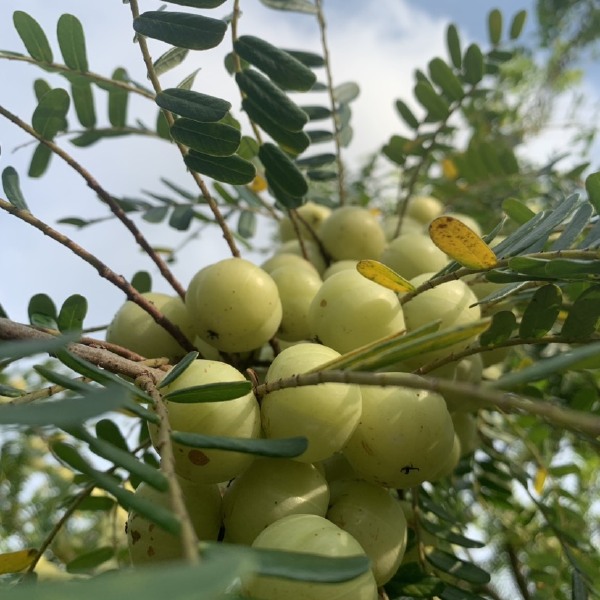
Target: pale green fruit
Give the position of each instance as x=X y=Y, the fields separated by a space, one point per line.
x=313 y=253
x=452 y=303
x=288 y=260
x=339 y=265
x=412 y=254
x=297 y=288
x=206 y=350
x=451 y=461
x=234 y=305
x=326 y=414
x=233 y=418
x=468 y=370
x=350 y=311
x=376 y=520
x=465 y=427
x=271 y=488
x=149 y=543
x=409 y=225
x=403 y=436
x=312 y=214
x=313 y=535
x=469 y=221
x=352 y=232
x=337 y=471
x=133 y=328
x=424 y=208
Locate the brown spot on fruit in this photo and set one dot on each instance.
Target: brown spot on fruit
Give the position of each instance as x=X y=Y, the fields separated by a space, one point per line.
x=367 y=448
x=323 y=303
x=151 y=551
x=197 y=457
x=135 y=536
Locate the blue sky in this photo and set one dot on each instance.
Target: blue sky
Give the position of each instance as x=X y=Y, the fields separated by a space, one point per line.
x=378 y=44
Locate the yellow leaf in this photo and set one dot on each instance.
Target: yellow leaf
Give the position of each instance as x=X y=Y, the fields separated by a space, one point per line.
x=461 y=243
x=449 y=169
x=13 y=562
x=258 y=184
x=383 y=275
x=540 y=479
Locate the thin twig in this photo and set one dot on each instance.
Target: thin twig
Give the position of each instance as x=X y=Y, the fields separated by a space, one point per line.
x=104 y=196
x=515 y=568
x=227 y=235
x=103 y=270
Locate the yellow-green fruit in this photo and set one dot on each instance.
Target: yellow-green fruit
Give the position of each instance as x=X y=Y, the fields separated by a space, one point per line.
x=339 y=265
x=352 y=232
x=132 y=327
x=376 y=520
x=412 y=254
x=313 y=535
x=233 y=418
x=453 y=303
x=310 y=214
x=350 y=311
x=326 y=414
x=337 y=471
x=234 y=305
x=313 y=253
x=288 y=260
x=451 y=461
x=269 y=489
x=467 y=370
x=149 y=543
x=424 y=208
x=403 y=437
x=465 y=427
x=409 y=225
x=297 y=288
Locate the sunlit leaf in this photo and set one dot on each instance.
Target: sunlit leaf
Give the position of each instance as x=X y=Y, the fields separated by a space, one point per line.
x=13 y=562
x=461 y=243
x=33 y=36
x=540 y=480
x=384 y=276
x=184 y=30
x=12 y=189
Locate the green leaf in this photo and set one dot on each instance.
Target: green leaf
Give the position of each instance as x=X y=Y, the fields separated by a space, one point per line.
x=293 y=142
x=302 y=6
x=281 y=171
x=517 y=24
x=64 y=381
x=109 y=431
x=495 y=26
x=65 y=413
x=578 y=586
x=33 y=36
x=142 y=282
x=574 y=228
x=181 y=218
x=271 y=99
x=118 y=100
x=318 y=137
x=198 y=3
x=592 y=186
x=228 y=169
x=41 y=87
x=72 y=313
x=452 y=592
x=473 y=64
x=517 y=211
x=178 y=369
x=461 y=569
x=318 y=160
x=83 y=100
x=12 y=189
x=407 y=114
x=446 y=534
x=534 y=267
x=548 y=366
x=541 y=312
x=443 y=76
x=214 y=139
x=187 y=82
x=584 y=314
x=156 y=214
x=246 y=226
x=184 y=30
x=436 y=107
x=169 y=60
x=90 y=560
x=296 y=566
x=503 y=324
x=71 y=41
x=453 y=43
x=50 y=115
x=433 y=507
x=41 y=311
x=22 y=348
x=210 y=392
x=193 y=105
x=344 y=93
x=563 y=268
x=280 y=66
x=275 y=448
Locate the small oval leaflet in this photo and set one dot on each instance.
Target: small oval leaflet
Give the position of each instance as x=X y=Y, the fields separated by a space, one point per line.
x=461 y=243
x=384 y=276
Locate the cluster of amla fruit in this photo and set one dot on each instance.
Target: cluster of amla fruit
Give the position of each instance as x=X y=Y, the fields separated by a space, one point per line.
x=384 y=438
